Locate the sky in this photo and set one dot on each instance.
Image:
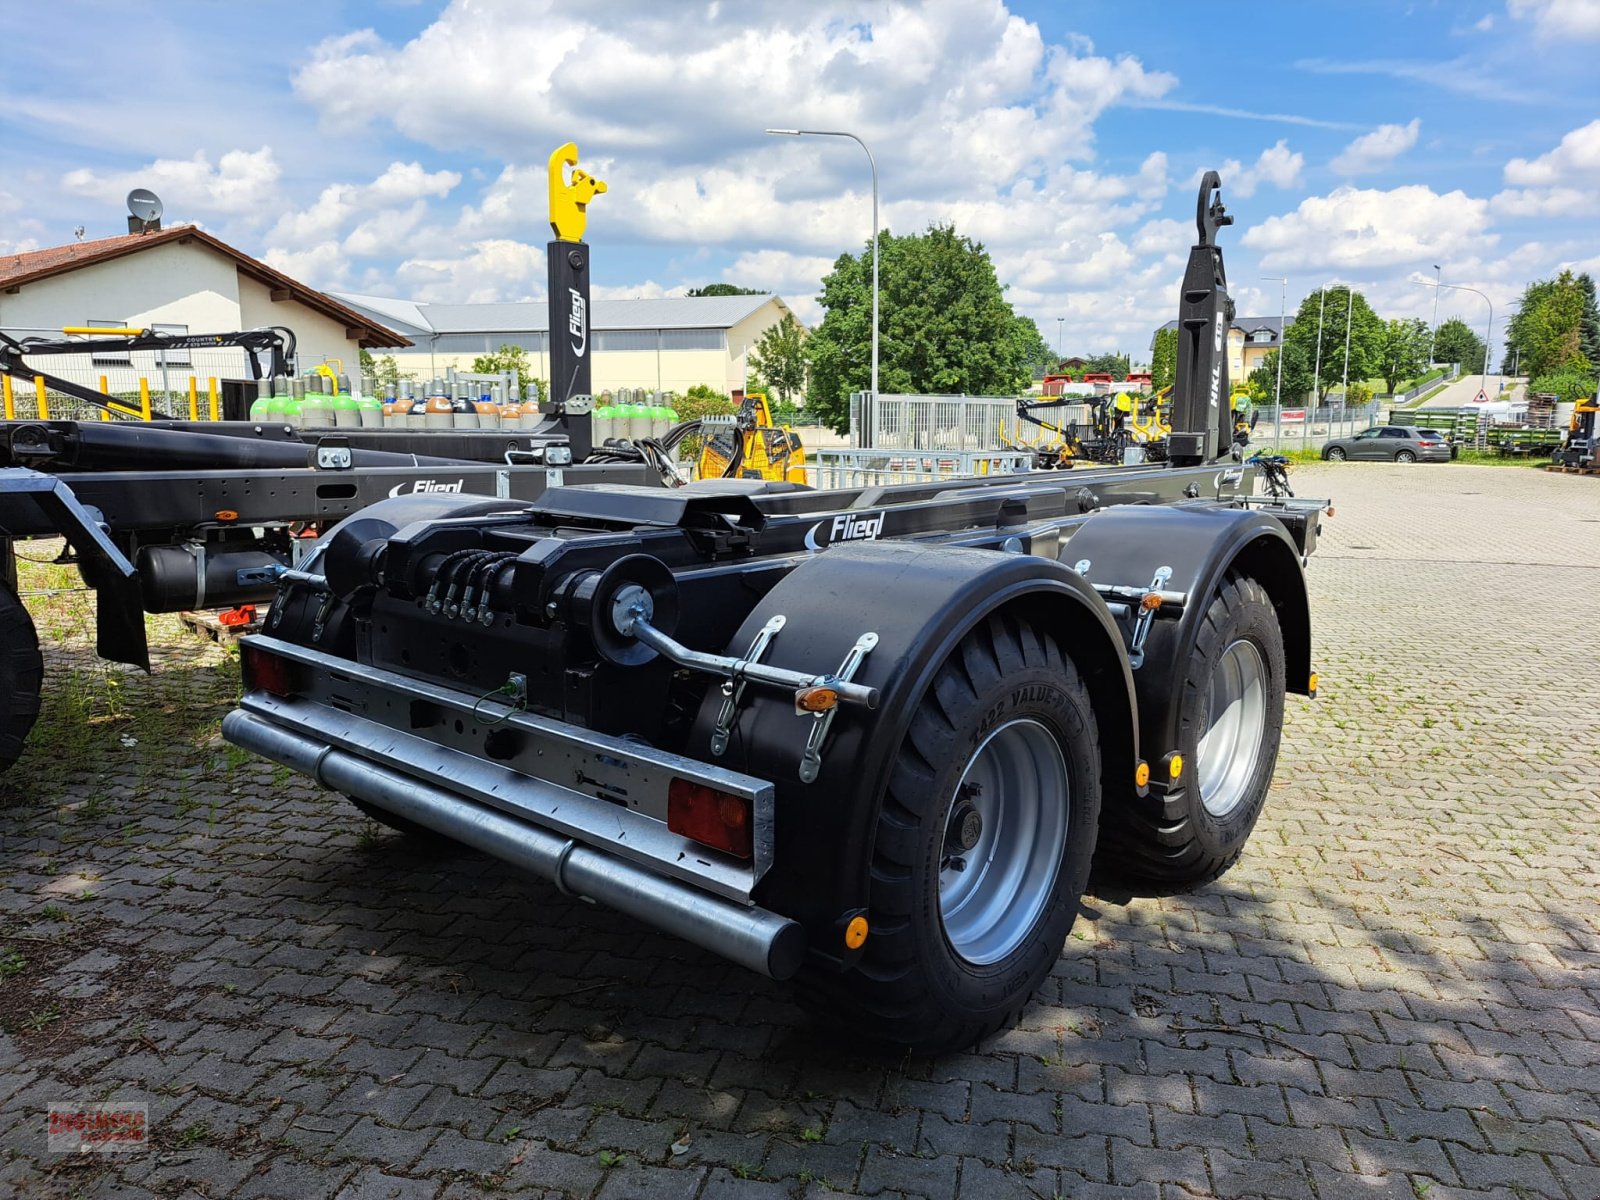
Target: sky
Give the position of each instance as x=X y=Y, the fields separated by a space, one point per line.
x=399 y=149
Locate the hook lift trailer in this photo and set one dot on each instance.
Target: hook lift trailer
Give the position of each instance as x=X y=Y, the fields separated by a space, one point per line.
x=167 y=515
x=867 y=740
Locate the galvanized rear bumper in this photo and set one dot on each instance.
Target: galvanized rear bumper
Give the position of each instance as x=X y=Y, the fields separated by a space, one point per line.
x=567 y=805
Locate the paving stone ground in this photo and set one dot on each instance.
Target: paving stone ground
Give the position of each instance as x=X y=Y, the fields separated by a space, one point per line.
x=1395 y=993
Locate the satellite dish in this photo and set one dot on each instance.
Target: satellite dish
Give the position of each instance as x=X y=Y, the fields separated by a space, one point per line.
x=145 y=209
x=144 y=204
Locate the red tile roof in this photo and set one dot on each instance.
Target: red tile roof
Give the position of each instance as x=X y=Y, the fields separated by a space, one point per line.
x=16 y=270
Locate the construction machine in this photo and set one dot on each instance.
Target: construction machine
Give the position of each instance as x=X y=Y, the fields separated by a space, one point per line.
x=750 y=445
x=1580 y=445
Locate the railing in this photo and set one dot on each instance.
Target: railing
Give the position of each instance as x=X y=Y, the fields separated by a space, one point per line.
x=1428 y=385
x=1285 y=427
x=831 y=468
x=932 y=422
x=200 y=400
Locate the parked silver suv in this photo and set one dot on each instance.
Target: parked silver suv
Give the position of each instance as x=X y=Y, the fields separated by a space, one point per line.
x=1391 y=443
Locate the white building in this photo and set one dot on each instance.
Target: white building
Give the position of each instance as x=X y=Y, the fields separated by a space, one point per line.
x=658 y=345
x=177 y=280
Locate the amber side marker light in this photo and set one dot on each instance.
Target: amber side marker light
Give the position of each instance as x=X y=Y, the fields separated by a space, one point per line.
x=720 y=820
x=1311 y=685
x=1141 y=775
x=816 y=699
x=1175 y=767
x=855 y=933
x=265 y=672
x=226 y=514
x=1151 y=601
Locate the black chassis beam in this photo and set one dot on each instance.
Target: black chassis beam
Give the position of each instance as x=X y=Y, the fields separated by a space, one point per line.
x=131 y=501
x=705 y=534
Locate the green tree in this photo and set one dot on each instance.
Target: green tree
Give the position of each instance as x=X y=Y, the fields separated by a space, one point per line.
x=1402 y=350
x=1455 y=342
x=1566 y=385
x=1547 y=330
x=511 y=358
x=1297 y=379
x=725 y=289
x=1113 y=364
x=1033 y=350
x=1164 y=359
x=701 y=400
x=945 y=325
x=386 y=371
x=1589 y=326
x=1365 y=330
x=779 y=359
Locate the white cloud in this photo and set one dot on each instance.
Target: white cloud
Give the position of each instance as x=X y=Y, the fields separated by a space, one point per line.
x=1277 y=165
x=244 y=183
x=342 y=204
x=1555 y=20
x=1576 y=158
x=1376 y=150
x=493 y=269
x=1484 y=23
x=1365 y=228
x=1546 y=202
x=945 y=93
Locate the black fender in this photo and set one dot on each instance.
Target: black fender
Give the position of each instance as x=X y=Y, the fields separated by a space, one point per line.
x=920 y=601
x=1126 y=544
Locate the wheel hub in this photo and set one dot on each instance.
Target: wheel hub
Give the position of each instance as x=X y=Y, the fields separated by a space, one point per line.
x=965 y=829
x=1005 y=833
x=1236 y=728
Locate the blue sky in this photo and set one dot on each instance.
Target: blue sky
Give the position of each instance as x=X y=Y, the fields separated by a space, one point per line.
x=399 y=148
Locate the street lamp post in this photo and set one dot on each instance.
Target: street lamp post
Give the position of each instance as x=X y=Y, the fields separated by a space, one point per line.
x=873 y=163
x=1488 y=330
x=1060 y=325
x=1433 y=332
x=1349 y=309
x=1283 y=312
x=1316 y=371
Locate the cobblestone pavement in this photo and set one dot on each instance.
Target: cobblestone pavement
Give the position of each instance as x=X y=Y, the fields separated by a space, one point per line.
x=1395 y=994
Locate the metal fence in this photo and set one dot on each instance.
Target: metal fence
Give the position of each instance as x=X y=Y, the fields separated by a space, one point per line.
x=932 y=422
x=840 y=468
x=1282 y=427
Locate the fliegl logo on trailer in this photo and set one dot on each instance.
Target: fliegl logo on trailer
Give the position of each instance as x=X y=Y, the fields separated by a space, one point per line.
x=846 y=527
x=422 y=486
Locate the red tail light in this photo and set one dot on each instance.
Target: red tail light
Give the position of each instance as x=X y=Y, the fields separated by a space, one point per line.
x=266 y=672
x=720 y=820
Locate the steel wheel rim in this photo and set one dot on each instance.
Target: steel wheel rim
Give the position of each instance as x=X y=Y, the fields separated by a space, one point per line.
x=1017 y=782
x=1236 y=728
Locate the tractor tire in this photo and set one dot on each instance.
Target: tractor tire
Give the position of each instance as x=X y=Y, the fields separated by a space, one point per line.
x=1334 y=454
x=983 y=847
x=1230 y=722
x=1404 y=456
x=21 y=676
